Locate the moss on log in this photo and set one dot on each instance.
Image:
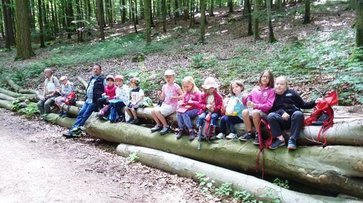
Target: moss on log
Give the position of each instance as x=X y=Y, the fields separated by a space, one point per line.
x=240 y=182
x=6 y=104
x=6 y=97
x=18 y=88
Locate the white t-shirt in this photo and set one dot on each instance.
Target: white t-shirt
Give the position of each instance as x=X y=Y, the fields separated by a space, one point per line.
x=123 y=93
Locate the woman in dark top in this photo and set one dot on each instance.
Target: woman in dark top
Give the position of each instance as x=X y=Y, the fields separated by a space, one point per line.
x=286 y=113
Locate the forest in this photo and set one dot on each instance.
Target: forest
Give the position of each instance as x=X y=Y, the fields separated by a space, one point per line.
x=317 y=44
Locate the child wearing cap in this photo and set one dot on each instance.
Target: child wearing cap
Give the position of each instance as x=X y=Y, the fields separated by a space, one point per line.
x=110 y=93
x=210 y=103
x=136 y=99
x=66 y=87
x=170 y=95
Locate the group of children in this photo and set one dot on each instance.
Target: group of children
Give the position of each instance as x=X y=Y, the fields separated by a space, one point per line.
x=280 y=106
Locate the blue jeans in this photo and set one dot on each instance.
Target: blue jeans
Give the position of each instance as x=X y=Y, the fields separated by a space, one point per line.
x=295 y=122
x=84 y=114
x=229 y=121
x=185 y=119
x=201 y=119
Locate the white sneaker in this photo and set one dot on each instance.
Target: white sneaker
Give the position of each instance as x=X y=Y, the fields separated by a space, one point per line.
x=220 y=136
x=231 y=136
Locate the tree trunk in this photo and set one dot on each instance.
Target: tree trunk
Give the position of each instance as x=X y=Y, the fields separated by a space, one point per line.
x=192 y=19
x=32 y=14
x=109 y=16
x=279 y=4
x=240 y=182
x=69 y=18
x=151 y=16
x=100 y=18
x=136 y=16
x=211 y=8
x=54 y=17
x=23 y=40
x=163 y=11
x=256 y=16
x=40 y=22
x=271 y=37
x=8 y=24
x=334 y=168
x=249 y=16
x=230 y=6
x=307 y=12
x=123 y=11
x=141 y=6
x=176 y=8
x=147 y=15
x=133 y=18
x=359 y=24
x=202 y=21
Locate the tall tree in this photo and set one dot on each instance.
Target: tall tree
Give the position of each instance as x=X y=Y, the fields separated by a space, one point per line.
x=8 y=24
x=256 y=16
x=41 y=25
x=23 y=41
x=211 y=8
x=123 y=11
x=163 y=12
x=69 y=17
x=230 y=6
x=202 y=21
x=249 y=16
x=359 y=24
x=307 y=12
x=147 y=16
x=109 y=14
x=186 y=10
x=100 y=18
x=271 y=37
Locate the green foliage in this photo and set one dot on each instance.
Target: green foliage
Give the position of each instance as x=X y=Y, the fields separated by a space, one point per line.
x=205 y=183
x=269 y=195
x=225 y=190
x=281 y=183
x=30 y=110
x=244 y=196
x=199 y=61
x=132 y=157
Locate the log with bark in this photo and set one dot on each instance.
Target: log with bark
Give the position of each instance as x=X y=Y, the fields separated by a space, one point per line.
x=6 y=97
x=337 y=169
x=18 y=88
x=345 y=131
x=188 y=168
x=19 y=96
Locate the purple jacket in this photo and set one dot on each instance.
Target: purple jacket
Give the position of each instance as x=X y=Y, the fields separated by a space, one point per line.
x=263 y=98
x=192 y=99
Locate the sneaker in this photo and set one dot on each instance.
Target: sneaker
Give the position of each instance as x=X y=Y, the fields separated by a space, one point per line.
x=256 y=141
x=277 y=143
x=220 y=136
x=76 y=129
x=70 y=134
x=130 y=120
x=179 y=135
x=164 y=130
x=231 y=136
x=191 y=135
x=291 y=144
x=135 y=122
x=247 y=136
x=156 y=128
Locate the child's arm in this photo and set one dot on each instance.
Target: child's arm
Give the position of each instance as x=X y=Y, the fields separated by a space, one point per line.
x=142 y=96
x=265 y=107
x=218 y=99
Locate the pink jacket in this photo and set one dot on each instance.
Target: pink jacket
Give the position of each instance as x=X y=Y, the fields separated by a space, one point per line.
x=218 y=100
x=110 y=91
x=263 y=98
x=192 y=99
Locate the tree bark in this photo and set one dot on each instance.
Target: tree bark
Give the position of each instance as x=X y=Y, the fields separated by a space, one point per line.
x=211 y=8
x=100 y=19
x=41 y=25
x=256 y=16
x=271 y=37
x=18 y=88
x=240 y=182
x=23 y=40
x=123 y=11
x=334 y=168
x=8 y=24
x=69 y=18
x=307 y=12
x=147 y=13
x=109 y=14
x=249 y=15
x=202 y=21
x=230 y=6
x=359 y=24
x=163 y=11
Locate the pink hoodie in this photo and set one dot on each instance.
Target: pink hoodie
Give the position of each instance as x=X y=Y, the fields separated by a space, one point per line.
x=263 y=98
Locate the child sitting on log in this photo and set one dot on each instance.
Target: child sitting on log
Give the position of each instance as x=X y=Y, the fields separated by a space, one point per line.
x=259 y=102
x=170 y=94
x=120 y=101
x=109 y=94
x=286 y=114
x=233 y=112
x=189 y=108
x=65 y=89
x=211 y=103
x=136 y=99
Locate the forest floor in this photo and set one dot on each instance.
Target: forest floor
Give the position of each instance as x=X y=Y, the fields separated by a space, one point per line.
x=39 y=165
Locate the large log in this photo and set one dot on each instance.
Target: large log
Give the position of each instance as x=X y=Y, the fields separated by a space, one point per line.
x=18 y=95
x=18 y=88
x=188 y=168
x=6 y=104
x=337 y=169
x=345 y=131
x=6 y=97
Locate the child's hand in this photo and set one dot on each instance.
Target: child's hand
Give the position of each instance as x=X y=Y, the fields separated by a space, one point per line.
x=251 y=104
x=103 y=94
x=159 y=93
x=285 y=116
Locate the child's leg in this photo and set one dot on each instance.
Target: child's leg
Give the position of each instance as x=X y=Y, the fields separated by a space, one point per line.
x=200 y=120
x=213 y=123
x=128 y=111
x=224 y=122
x=188 y=116
x=133 y=111
x=180 y=119
x=256 y=118
x=156 y=119
x=162 y=119
x=232 y=120
x=247 y=120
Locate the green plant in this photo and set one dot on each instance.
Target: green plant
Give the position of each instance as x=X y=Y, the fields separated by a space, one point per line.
x=206 y=184
x=224 y=190
x=132 y=157
x=269 y=195
x=244 y=196
x=30 y=110
x=281 y=183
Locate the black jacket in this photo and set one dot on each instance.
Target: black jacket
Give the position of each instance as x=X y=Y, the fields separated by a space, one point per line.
x=98 y=88
x=289 y=102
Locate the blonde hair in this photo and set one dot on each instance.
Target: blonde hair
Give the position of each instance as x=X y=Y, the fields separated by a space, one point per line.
x=284 y=78
x=189 y=79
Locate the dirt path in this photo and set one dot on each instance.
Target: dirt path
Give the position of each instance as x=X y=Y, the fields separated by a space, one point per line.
x=38 y=165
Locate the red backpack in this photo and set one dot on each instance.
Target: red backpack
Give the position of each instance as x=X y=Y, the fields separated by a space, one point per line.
x=323 y=115
x=265 y=140
x=71 y=99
